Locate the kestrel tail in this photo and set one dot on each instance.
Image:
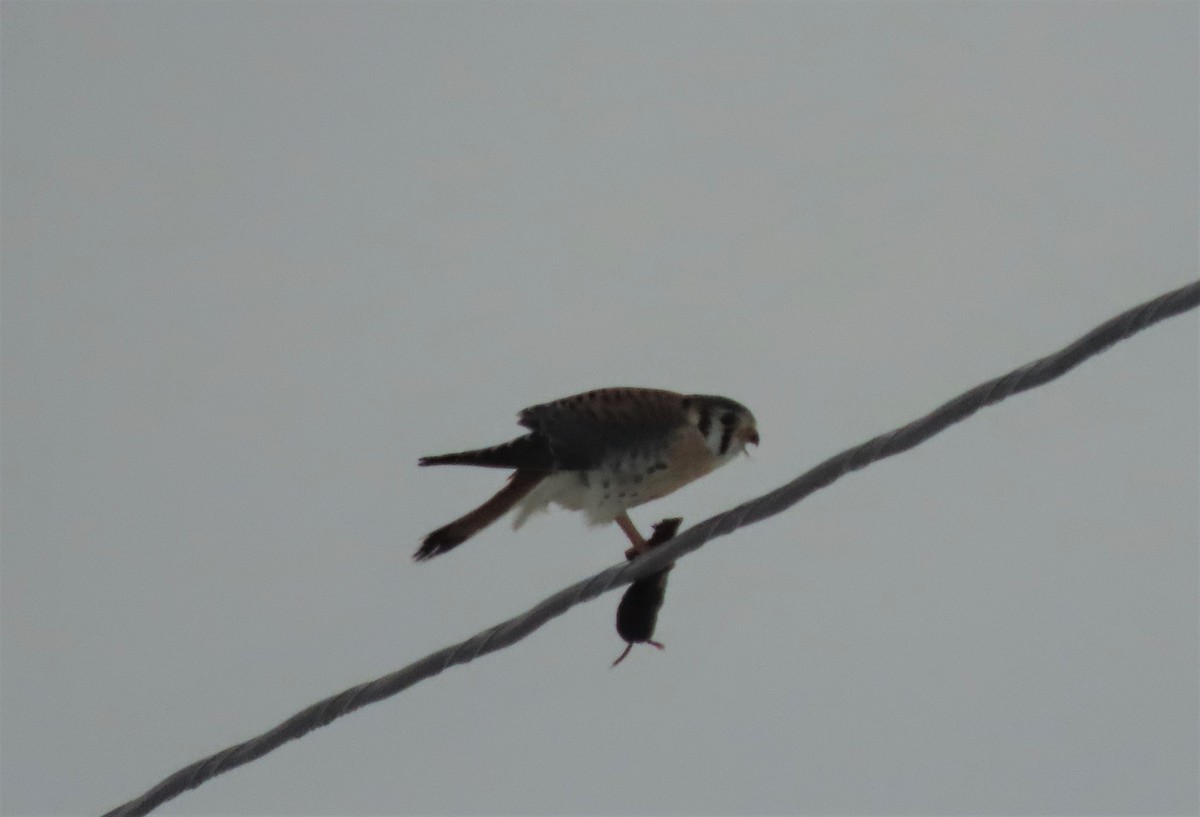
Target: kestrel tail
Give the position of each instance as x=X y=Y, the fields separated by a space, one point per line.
x=601 y=452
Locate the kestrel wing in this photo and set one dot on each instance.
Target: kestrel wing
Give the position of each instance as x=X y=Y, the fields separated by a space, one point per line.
x=585 y=429
x=530 y=453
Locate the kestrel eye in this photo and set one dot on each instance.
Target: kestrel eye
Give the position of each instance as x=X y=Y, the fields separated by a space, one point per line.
x=728 y=418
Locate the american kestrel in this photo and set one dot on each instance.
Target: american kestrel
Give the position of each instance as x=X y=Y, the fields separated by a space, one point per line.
x=601 y=452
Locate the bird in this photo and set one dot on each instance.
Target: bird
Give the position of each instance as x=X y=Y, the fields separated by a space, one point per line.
x=601 y=452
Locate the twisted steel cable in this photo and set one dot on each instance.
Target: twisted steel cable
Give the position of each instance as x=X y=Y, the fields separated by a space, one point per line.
x=509 y=632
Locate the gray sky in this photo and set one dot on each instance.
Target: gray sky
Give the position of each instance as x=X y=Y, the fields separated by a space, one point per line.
x=257 y=258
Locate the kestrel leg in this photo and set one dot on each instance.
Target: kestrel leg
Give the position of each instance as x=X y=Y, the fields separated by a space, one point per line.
x=639 y=544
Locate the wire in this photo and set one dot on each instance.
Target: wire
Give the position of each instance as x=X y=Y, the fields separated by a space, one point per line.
x=509 y=632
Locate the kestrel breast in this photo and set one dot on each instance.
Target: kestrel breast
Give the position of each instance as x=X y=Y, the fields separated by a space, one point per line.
x=631 y=479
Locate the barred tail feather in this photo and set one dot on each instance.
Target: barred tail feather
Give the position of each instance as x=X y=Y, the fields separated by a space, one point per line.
x=460 y=530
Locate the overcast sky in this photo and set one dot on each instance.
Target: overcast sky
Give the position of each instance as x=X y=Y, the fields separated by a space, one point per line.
x=259 y=257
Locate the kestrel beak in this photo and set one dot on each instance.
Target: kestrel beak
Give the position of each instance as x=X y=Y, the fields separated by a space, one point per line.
x=752 y=436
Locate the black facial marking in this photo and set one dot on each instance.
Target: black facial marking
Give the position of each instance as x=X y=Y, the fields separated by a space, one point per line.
x=726 y=438
x=728 y=418
x=705 y=421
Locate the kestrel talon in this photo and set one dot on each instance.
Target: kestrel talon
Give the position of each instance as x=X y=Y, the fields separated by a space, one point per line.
x=601 y=452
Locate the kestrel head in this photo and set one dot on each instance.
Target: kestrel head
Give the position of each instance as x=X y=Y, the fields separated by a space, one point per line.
x=726 y=425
